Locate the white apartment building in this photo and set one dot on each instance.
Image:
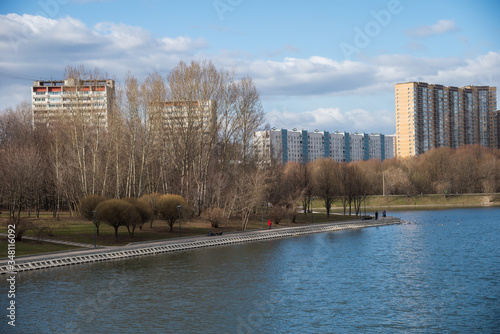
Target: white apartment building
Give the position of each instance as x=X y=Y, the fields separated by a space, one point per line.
x=54 y=100
x=303 y=146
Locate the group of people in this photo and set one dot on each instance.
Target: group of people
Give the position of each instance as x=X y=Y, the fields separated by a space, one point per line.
x=384 y=214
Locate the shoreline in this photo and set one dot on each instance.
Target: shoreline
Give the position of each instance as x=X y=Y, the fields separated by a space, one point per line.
x=63 y=258
x=424 y=206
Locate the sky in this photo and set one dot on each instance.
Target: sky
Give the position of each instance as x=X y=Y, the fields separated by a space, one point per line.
x=326 y=65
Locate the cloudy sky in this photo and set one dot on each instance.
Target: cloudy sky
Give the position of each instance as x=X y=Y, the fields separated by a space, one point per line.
x=327 y=65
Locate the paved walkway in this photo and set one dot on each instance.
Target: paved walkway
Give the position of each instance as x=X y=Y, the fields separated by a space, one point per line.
x=54 y=241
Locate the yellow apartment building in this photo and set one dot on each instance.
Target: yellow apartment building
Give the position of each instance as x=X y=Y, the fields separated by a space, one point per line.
x=431 y=115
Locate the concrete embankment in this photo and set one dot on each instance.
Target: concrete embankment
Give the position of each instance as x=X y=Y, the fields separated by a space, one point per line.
x=43 y=261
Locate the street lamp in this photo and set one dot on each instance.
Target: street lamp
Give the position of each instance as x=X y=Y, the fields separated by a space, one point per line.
x=179 y=207
x=94 y=212
x=312 y=214
x=360 y=212
x=263 y=214
x=365 y=206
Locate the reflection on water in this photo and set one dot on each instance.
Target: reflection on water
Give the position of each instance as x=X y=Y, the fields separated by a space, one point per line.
x=438 y=274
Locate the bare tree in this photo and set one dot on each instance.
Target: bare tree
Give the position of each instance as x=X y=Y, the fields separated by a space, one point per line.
x=152 y=200
x=20 y=174
x=285 y=191
x=326 y=183
x=356 y=188
x=250 y=115
x=88 y=129
x=305 y=179
x=250 y=189
x=211 y=118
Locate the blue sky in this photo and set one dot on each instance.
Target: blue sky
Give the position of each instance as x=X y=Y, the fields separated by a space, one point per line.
x=327 y=65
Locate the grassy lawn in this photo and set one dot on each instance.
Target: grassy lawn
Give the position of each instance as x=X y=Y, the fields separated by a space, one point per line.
x=433 y=200
x=412 y=202
x=28 y=247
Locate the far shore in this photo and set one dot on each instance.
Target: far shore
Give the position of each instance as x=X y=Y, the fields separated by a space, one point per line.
x=423 y=202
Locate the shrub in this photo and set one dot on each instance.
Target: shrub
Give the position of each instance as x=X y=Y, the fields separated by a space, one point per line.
x=42 y=230
x=22 y=225
x=278 y=213
x=116 y=213
x=215 y=216
x=167 y=208
x=144 y=209
x=88 y=204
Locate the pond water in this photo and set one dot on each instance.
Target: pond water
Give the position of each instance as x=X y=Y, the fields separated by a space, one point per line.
x=438 y=274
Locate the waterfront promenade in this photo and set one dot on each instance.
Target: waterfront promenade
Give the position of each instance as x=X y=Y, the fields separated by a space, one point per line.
x=103 y=253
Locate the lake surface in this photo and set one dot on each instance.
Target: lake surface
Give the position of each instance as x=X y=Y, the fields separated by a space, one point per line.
x=439 y=274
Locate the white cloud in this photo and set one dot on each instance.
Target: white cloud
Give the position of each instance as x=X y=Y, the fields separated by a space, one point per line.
x=122 y=36
x=319 y=76
x=28 y=43
x=313 y=76
x=182 y=44
x=37 y=47
x=333 y=119
x=441 y=27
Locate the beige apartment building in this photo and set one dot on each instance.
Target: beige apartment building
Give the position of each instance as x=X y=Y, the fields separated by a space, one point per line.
x=430 y=116
x=54 y=100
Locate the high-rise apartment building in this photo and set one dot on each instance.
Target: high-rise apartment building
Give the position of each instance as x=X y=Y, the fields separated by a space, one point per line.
x=187 y=115
x=302 y=146
x=53 y=100
x=430 y=116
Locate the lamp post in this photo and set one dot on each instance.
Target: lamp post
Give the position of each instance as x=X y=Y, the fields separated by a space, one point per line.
x=360 y=212
x=365 y=206
x=95 y=243
x=312 y=214
x=262 y=215
x=179 y=207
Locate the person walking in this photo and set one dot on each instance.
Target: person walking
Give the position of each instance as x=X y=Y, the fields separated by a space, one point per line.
x=376 y=215
x=269 y=223
x=384 y=214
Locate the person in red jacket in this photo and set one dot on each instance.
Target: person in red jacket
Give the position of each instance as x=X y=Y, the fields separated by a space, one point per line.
x=269 y=223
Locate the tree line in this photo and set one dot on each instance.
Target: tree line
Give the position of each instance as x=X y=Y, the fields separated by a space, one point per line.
x=446 y=171
x=138 y=151
x=209 y=163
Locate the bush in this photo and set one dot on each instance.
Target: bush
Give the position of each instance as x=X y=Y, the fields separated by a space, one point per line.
x=22 y=225
x=144 y=209
x=167 y=208
x=88 y=204
x=42 y=230
x=116 y=213
x=215 y=216
x=278 y=213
